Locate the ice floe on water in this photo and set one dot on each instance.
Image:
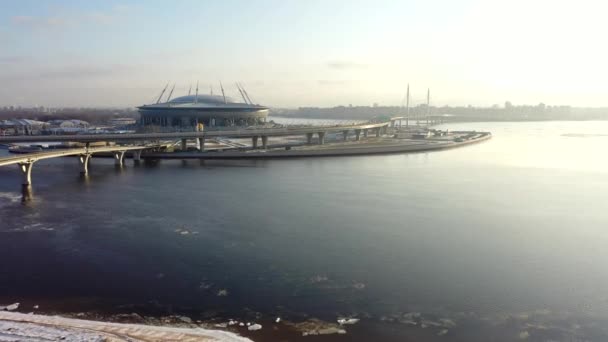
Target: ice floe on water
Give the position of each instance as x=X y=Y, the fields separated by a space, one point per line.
x=254 y=327
x=11 y=307
x=343 y=321
x=8 y=198
x=184 y=231
x=316 y=327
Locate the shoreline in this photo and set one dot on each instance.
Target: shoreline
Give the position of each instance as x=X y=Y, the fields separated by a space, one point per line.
x=392 y=146
x=20 y=325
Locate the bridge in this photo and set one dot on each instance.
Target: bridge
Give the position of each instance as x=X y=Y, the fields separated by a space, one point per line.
x=254 y=133
x=26 y=161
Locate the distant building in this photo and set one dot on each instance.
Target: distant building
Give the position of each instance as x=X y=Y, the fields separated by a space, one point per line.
x=120 y=122
x=67 y=126
x=21 y=127
x=187 y=112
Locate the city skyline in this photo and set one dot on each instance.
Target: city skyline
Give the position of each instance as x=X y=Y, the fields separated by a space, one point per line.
x=313 y=53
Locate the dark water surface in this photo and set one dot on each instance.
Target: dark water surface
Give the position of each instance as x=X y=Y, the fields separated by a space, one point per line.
x=504 y=238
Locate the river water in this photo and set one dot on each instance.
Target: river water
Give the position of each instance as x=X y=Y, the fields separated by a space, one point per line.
x=505 y=239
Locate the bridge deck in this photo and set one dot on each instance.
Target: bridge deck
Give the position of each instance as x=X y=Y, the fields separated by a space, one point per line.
x=240 y=133
x=31 y=157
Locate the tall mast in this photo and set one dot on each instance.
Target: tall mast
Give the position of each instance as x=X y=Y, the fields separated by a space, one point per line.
x=428 y=105
x=171 y=92
x=190 y=90
x=407 y=106
x=162 y=93
x=223 y=94
x=211 y=89
x=241 y=91
x=196 y=96
x=246 y=95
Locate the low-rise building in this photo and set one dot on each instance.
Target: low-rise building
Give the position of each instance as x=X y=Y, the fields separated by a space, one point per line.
x=21 y=127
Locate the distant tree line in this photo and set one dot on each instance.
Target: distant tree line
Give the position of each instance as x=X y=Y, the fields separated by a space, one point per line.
x=92 y=115
x=508 y=112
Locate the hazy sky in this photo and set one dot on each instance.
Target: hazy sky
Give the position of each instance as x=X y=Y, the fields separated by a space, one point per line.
x=305 y=53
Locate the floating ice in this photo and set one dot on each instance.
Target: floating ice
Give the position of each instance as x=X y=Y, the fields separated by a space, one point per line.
x=11 y=307
x=343 y=321
x=254 y=327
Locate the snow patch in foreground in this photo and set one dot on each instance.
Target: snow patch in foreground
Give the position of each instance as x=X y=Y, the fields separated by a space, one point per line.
x=18 y=326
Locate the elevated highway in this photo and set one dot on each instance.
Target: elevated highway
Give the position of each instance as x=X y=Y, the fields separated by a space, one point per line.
x=26 y=161
x=255 y=133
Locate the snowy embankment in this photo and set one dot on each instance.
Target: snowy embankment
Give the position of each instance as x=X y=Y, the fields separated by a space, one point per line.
x=30 y=327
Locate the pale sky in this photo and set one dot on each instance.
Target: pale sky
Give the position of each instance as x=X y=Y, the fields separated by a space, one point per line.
x=290 y=53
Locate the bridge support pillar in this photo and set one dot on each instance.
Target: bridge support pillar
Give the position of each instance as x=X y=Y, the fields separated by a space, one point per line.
x=254 y=142
x=84 y=161
x=136 y=155
x=378 y=131
x=264 y=141
x=357 y=134
x=26 y=170
x=184 y=144
x=321 y=138
x=365 y=133
x=345 y=133
x=119 y=158
x=309 y=138
x=201 y=144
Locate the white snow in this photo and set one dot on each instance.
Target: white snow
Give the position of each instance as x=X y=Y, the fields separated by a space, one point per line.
x=18 y=326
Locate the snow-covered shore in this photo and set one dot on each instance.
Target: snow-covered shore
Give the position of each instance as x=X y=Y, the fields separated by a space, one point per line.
x=25 y=327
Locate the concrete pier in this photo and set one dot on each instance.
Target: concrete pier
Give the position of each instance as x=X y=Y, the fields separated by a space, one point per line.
x=264 y=141
x=26 y=170
x=309 y=138
x=321 y=138
x=184 y=144
x=119 y=157
x=254 y=142
x=201 y=144
x=137 y=156
x=365 y=133
x=345 y=133
x=357 y=134
x=84 y=162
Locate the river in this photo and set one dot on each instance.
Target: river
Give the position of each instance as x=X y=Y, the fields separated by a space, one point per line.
x=505 y=238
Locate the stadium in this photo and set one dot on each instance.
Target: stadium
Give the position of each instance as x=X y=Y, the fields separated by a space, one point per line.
x=188 y=112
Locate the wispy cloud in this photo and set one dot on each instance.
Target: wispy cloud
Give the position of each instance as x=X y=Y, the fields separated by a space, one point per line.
x=75 y=72
x=14 y=59
x=339 y=65
x=335 y=82
x=39 y=22
x=84 y=71
x=68 y=18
